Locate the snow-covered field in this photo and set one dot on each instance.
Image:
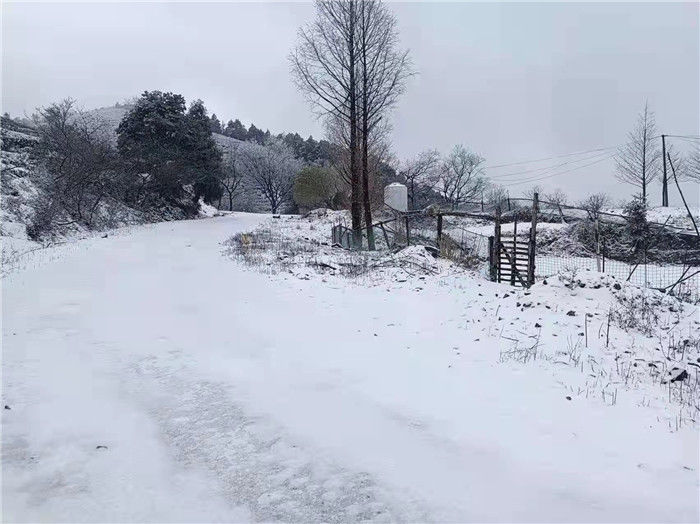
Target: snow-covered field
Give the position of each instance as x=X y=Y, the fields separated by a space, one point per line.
x=154 y=376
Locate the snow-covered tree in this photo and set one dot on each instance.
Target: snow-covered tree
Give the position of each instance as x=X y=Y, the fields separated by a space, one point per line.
x=419 y=172
x=270 y=170
x=460 y=177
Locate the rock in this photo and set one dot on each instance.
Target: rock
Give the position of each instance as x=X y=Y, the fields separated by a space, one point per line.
x=568 y=397
x=538 y=325
x=571 y=313
x=683 y=375
x=617 y=286
x=544 y=282
x=7 y=407
x=581 y=284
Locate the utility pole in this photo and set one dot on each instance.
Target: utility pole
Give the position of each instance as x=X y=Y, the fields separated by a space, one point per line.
x=664 y=187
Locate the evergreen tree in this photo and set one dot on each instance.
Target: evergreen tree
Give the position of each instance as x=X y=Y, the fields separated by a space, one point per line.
x=172 y=148
x=205 y=157
x=255 y=134
x=215 y=124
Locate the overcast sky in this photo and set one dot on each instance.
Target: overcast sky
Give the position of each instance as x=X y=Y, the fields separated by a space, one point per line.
x=511 y=81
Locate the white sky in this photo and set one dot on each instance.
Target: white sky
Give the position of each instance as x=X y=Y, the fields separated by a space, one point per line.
x=512 y=81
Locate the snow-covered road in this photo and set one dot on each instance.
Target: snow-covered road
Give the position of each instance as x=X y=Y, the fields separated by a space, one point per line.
x=221 y=394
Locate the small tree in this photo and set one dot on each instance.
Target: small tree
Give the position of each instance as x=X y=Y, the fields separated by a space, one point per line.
x=637 y=225
x=638 y=161
x=419 y=172
x=594 y=204
x=460 y=178
x=270 y=170
x=556 y=197
x=315 y=186
x=231 y=175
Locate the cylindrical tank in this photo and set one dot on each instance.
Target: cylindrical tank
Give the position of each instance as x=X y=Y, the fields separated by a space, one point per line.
x=396 y=196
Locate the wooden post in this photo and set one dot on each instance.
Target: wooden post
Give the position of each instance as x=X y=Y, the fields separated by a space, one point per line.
x=408 y=236
x=497 y=243
x=439 y=233
x=664 y=181
x=532 y=243
x=597 y=242
x=492 y=260
x=513 y=267
x=603 y=254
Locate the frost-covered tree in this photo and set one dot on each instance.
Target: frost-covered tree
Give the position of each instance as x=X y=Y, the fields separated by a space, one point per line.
x=419 y=173
x=231 y=175
x=460 y=177
x=639 y=160
x=270 y=170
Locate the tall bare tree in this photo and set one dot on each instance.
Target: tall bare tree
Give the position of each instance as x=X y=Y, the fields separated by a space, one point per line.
x=325 y=66
x=383 y=71
x=638 y=161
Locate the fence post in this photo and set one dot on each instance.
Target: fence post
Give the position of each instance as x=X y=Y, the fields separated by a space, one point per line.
x=439 y=232
x=533 y=242
x=408 y=235
x=597 y=242
x=513 y=267
x=603 y=254
x=497 y=243
x=492 y=260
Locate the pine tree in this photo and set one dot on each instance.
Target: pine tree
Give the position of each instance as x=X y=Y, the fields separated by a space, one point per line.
x=215 y=124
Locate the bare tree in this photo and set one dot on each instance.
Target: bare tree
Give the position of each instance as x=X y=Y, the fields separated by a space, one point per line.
x=383 y=71
x=232 y=174
x=420 y=172
x=270 y=170
x=78 y=157
x=693 y=164
x=530 y=193
x=496 y=196
x=556 y=197
x=325 y=66
x=594 y=204
x=639 y=159
x=460 y=177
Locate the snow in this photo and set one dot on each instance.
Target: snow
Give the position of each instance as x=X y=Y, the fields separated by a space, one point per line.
x=227 y=393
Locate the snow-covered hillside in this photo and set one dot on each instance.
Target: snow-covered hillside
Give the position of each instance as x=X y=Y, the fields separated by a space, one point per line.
x=151 y=376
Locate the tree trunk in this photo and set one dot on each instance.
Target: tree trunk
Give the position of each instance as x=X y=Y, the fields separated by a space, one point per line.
x=355 y=187
x=365 y=138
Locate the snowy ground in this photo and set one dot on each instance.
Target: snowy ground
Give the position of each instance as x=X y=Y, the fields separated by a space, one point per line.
x=225 y=393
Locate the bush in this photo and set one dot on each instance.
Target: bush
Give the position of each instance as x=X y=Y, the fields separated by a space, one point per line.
x=316 y=187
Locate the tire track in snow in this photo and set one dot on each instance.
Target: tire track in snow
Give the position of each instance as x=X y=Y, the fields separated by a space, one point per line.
x=255 y=463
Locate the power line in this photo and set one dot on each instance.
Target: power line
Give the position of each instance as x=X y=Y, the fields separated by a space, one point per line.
x=544 y=169
x=552 y=157
x=534 y=179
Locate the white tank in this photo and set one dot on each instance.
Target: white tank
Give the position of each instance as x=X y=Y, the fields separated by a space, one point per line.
x=396 y=196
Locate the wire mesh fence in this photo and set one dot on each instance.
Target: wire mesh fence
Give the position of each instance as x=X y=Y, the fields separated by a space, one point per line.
x=666 y=257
